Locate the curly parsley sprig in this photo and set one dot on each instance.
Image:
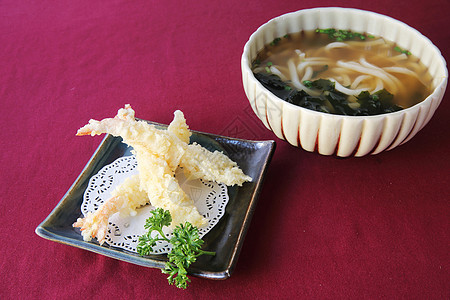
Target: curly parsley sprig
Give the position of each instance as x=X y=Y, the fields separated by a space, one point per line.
x=186 y=246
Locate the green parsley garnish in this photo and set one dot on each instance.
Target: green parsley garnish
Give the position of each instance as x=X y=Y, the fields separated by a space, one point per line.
x=343 y=35
x=186 y=246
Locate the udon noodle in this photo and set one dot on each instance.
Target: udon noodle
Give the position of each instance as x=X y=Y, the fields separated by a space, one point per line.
x=354 y=66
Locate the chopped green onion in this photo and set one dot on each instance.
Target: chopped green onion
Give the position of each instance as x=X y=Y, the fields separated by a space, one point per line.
x=398 y=49
x=307 y=83
x=275 y=41
x=343 y=35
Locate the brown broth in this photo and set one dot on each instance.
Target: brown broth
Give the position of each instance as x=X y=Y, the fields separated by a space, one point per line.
x=407 y=89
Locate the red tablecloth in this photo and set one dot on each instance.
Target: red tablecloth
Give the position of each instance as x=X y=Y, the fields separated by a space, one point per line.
x=371 y=227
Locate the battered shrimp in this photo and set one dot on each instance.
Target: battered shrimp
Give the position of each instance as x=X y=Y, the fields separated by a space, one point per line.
x=198 y=162
x=126 y=198
x=179 y=127
x=141 y=134
x=164 y=191
x=159 y=153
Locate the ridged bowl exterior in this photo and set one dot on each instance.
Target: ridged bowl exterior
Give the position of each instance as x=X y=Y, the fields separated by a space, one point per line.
x=335 y=134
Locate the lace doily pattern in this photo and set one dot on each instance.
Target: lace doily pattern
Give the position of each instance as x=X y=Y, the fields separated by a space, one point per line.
x=210 y=198
x=100 y=185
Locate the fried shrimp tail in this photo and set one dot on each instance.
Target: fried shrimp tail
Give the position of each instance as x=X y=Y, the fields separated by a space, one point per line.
x=126 y=198
x=108 y=125
x=96 y=224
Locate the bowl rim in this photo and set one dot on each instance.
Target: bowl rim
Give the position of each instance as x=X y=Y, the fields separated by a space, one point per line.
x=245 y=63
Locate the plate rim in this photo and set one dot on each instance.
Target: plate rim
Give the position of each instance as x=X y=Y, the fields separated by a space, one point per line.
x=107 y=142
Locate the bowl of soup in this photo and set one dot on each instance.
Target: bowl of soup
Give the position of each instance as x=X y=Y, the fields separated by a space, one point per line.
x=341 y=81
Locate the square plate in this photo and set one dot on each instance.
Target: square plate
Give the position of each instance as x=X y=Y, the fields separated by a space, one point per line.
x=226 y=238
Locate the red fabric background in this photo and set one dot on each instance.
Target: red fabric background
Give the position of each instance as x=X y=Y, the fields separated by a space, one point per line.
x=371 y=227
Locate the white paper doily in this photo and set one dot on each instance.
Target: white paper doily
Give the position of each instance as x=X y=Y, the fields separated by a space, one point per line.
x=210 y=198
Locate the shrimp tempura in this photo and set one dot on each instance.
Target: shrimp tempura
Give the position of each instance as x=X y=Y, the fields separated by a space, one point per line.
x=159 y=153
x=126 y=198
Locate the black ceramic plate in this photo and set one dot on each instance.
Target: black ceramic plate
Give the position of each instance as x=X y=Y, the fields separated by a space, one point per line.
x=226 y=238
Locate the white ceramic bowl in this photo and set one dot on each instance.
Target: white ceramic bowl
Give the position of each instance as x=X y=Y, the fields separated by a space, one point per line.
x=330 y=134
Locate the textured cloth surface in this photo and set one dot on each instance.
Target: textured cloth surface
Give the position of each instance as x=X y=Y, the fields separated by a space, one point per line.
x=324 y=228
